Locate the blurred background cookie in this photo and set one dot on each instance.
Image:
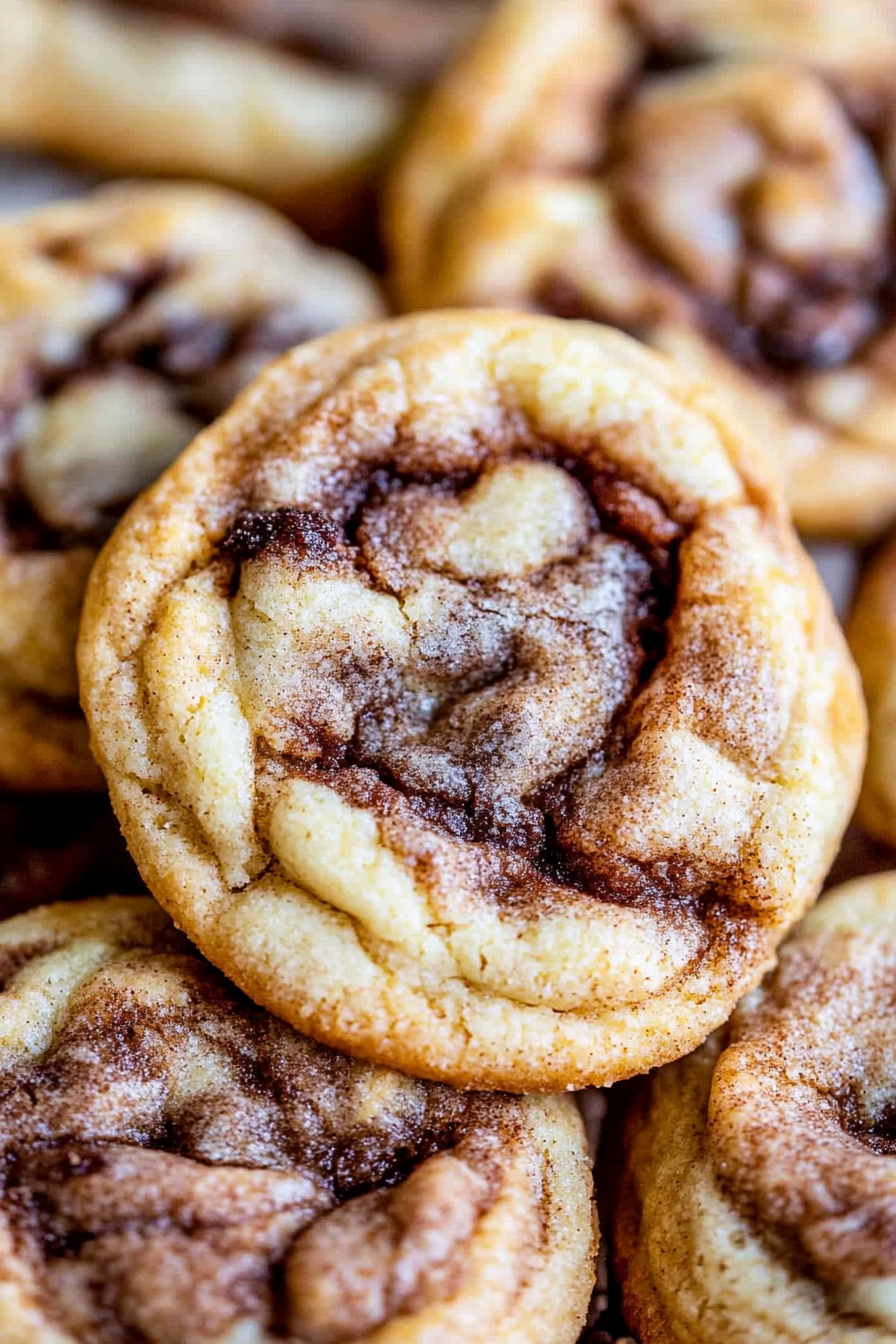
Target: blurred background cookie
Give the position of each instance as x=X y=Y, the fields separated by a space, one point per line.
x=465 y=695
x=403 y=43
x=717 y=180
x=759 y=1197
x=134 y=91
x=872 y=637
x=185 y=1169
x=128 y=320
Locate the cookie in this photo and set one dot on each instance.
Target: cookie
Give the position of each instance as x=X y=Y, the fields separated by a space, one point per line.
x=717 y=179
x=128 y=320
x=403 y=43
x=464 y=694
x=758 y=1200
x=136 y=92
x=183 y=1168
x=872 y=637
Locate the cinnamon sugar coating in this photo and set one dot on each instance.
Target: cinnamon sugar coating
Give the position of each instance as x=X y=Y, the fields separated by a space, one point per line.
x=758 y=1200
x=717 y=179
x=464 y=694
x=128 y=320
x=179 y=1167
x=872 y=637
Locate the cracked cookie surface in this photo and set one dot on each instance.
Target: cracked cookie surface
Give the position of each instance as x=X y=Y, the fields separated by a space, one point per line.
x=474 y=706
x=715 y=179
x=128 y=320
x=758 y=1200
x=179 y=1167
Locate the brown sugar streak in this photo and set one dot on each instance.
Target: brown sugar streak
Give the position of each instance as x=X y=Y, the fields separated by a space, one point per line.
x=167 y=1159
x=401 y=755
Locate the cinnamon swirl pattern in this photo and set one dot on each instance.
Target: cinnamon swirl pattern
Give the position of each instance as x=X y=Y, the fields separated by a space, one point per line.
x=182 y=1168
x=128 y=320
x=872 y=637
x=465 y=696
x=736 y=210
x=759 y=1197
x=140 y=92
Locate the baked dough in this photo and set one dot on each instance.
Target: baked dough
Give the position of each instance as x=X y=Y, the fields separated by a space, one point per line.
x=142 y=93
x=404 y=43
x=128 y=320
x=758 y=1200
x=464 y=694
x=182 y=1168
x=734 y=211
x=872 y=637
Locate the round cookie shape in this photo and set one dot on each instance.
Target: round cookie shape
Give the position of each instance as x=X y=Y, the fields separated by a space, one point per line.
x=872 y=637
x=758 y=1196
x=465 y=695
x=128 y=320
x=717 y=180
x=183 y=1168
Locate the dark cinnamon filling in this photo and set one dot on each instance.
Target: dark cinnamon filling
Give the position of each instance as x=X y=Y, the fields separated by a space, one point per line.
x=782 y=321
x=190 y=356
x=878 y=1135
x=404 y=756
x=122 y=1193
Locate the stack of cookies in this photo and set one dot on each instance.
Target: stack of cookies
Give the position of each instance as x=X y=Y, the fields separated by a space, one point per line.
x=472 y=714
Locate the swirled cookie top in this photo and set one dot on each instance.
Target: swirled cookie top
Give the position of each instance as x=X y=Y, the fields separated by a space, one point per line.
x=179 y=1165
x=774 y=228
x=127 y=322
x=752 y=198
x=676 y=162
x=483 y=641
x=462 y=648
x=802 y=1117
x=488 y=639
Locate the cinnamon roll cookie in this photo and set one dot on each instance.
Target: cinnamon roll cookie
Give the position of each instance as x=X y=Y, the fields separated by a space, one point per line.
x=465 y=696
x=128 y=320
x=179 y=1167
x=759 y=1194
x=138 y=92
x=734 y=210
x=872 y=637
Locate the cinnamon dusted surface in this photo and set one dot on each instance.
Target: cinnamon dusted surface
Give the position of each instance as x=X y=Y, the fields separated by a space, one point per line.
x=180 y=1166
x=475 y=672
x=759 y=1196
x=716 y=180
x=465 y=717
x=128 y=320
